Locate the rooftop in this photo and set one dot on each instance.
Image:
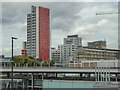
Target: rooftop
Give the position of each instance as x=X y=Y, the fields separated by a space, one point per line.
x=101 y=48
x=72 y=36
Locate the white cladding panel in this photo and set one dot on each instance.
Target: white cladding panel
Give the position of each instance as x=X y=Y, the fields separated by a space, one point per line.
x=110 y=63
x=37 y=32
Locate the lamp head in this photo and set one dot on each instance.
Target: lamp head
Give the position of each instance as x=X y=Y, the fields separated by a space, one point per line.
x=14 y=38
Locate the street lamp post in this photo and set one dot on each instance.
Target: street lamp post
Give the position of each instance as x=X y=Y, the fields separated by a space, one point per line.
x=12 y=62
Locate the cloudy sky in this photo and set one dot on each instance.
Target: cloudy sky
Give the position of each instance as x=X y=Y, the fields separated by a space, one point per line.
x=66 y=19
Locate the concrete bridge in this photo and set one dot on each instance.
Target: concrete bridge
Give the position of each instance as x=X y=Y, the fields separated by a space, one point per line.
x=59 y=70
x=100 y=73
x=33 y=74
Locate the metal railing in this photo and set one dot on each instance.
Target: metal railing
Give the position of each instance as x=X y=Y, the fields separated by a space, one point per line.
x=54 y=66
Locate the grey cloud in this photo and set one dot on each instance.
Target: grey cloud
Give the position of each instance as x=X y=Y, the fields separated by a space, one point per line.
x=65 y=19
x=65 y=16
x=14 y=12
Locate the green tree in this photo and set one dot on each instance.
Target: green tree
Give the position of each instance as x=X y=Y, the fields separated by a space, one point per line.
x=45 y=63
x=39 y=59
x=52 y=62
x=25 y=59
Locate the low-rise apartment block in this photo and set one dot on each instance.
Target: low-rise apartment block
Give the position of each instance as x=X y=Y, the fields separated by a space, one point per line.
x=97 y=54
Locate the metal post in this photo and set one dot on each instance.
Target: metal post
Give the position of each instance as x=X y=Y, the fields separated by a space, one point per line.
x=26 y=64
x=106 y=74
x=15 y=64
x=83 y=64
x=12 y=66
x=98 y=73
x=109 y=74
x=74 y=63
x=4 y=64
x=34 y=64
x=32 y=77
x=55 y=64
x=89 y=64
x=103 y=73
x=69 y=63
x=12 y=63
x=78 y=64
x=41 y=64
x=95 y=74
x=49 y=64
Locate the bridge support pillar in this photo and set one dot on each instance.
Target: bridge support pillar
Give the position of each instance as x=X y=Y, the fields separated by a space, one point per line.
x=8 y=75
x=89 y=75
x=116 y=76
x=23 y=84
x=26 y=84
x=32 y=78
x=56 y=75
x=42 y=76
x=16 y=86
x=80 y=74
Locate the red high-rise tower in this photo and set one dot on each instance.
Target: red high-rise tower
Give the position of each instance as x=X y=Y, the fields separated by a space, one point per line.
x=44 y=33
x=38 y=33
